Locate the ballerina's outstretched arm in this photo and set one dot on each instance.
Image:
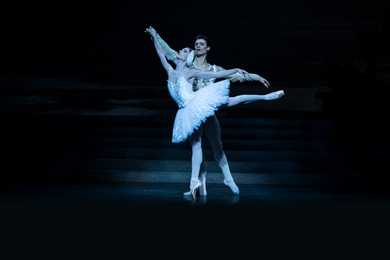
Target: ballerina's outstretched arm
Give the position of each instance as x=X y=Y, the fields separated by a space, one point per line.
x=159 y=50
x=219 y=74
x=240 y=99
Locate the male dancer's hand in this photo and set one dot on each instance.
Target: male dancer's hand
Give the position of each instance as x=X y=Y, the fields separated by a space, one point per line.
x=243 y=73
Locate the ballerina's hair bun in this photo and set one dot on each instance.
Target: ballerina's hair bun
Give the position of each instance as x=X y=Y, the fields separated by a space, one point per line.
x=190 y=58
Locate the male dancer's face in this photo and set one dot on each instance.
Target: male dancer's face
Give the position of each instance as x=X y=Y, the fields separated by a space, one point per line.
x=201 y=47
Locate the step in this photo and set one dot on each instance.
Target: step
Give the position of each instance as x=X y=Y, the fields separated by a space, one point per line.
x=167 y=121
x=228 y=144
x=115 y=126
x=61 y=121
x=267 y=151
x=213 y=177
x=167 y=132
x=364 y=168
x=232 y=155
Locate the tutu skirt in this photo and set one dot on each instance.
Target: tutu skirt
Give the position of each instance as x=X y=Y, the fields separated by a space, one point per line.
x=203 y=104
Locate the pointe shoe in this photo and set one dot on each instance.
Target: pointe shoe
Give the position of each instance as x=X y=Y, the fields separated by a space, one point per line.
x=194 y=188
x=280 y=93
x=202 y=194
x=275 y=95
x=232 y=185
x=202 y=188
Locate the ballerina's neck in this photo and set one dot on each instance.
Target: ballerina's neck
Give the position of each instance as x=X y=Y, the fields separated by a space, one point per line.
x=181 y=65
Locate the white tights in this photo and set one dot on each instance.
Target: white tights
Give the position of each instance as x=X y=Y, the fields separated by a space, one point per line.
x=246 y=99
x=197 y=155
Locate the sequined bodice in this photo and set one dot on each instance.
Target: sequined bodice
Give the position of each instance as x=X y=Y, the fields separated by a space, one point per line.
x=201 y=83
x=181 y=92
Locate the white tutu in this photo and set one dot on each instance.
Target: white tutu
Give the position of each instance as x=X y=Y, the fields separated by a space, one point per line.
x=195 y=107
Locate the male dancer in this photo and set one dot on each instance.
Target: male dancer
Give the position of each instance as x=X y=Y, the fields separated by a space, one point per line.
x=211 y=127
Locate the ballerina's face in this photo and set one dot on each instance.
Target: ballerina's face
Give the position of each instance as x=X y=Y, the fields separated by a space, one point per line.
x=183 y=54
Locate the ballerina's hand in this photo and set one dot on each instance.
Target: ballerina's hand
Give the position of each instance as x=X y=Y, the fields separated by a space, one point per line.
x=151 y=31
x=243 y=73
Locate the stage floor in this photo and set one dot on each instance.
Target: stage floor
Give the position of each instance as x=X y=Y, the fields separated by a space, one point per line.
x=164 y=194
x=155 y=212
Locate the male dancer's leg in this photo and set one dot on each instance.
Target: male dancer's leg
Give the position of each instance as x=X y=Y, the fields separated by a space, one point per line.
x=212 y=131
x=202 y=177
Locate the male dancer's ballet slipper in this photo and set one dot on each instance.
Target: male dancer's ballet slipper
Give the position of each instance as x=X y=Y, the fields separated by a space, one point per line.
x=232 y=185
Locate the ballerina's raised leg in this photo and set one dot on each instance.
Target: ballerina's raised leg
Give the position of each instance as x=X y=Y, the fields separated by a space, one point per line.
x=246 y=99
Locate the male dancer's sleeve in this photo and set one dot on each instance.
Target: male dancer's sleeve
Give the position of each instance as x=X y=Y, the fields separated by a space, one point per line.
x=239 y=78
x=169 y=53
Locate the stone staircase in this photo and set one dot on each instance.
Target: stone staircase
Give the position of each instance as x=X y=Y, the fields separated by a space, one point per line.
x=298 y=151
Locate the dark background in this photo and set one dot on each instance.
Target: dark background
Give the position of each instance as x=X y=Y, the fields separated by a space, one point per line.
x=92 y=58
x=328 y=56
x=77 y=58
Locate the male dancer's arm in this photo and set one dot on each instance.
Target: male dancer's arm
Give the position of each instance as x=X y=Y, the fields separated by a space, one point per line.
x=159 y=49
x=169 y=53
x=218 y=74
x=236 y=77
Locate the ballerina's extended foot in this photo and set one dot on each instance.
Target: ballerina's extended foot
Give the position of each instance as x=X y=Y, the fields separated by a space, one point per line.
x=246 y=99
x=274 y=95
x=232 y=185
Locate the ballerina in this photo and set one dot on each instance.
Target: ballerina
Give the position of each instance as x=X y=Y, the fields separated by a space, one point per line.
x=211 y=128
x=196 y=107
